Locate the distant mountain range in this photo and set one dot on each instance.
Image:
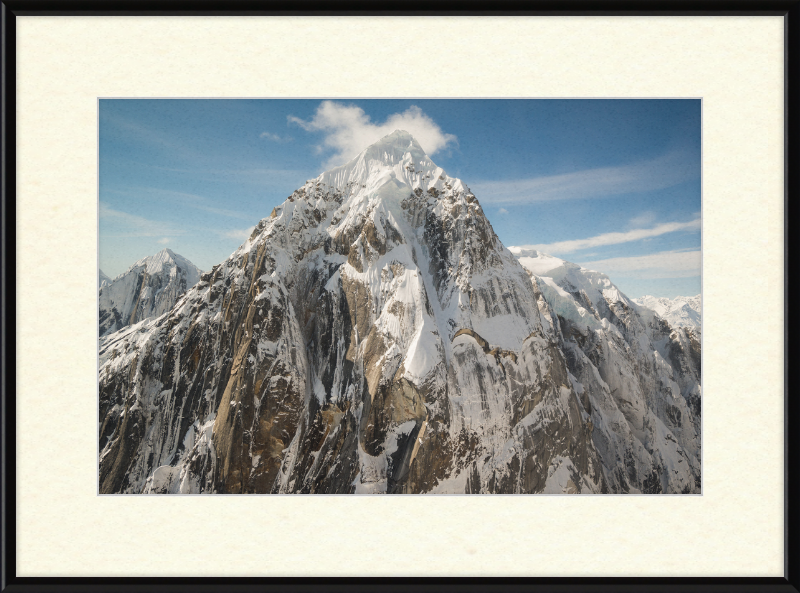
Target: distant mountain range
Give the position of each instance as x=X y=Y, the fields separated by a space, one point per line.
x=679 y=312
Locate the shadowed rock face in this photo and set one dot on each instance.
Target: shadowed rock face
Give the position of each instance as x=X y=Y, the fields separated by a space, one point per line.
x=372 y=335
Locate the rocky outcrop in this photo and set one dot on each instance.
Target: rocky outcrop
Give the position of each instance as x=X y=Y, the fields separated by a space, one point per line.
x=372 y=335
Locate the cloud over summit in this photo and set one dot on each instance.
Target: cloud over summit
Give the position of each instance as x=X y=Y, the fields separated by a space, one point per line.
x=349 y=129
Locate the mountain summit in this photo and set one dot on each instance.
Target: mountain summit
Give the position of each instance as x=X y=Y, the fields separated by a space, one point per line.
x=397 y=159
x=148 y=288
x=373 y=335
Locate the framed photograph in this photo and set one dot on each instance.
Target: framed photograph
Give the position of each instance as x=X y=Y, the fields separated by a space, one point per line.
x=384 y=330
x=523 y=257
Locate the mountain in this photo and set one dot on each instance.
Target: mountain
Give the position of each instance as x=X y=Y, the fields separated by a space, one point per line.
x=678 y=312
x=103 y=279
x=149 y=288
x=374 y=335
x=641 y=376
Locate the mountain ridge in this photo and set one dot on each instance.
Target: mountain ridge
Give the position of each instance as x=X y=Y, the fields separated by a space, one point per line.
x=680 y=311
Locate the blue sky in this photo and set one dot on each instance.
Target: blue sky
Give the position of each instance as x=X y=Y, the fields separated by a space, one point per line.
x=610 y=184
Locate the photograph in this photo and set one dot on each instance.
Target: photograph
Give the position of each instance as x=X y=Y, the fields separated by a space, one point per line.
x=399 y=296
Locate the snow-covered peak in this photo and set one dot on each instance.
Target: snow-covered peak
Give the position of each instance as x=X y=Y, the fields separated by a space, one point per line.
x=572 y=290
x=574 y=277
x=681 y=311
x=569 y=288
x=396 y=160
x=536 y=262
x=663 y=304
x=166 y=258
x=148 y=288
x=103 y=279
x=396 y=146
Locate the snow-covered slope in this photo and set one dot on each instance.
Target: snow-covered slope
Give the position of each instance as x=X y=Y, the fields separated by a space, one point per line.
x=679 y=312
x=149 y=288
x=641 y=376
x=372 y=335
x=103 y=279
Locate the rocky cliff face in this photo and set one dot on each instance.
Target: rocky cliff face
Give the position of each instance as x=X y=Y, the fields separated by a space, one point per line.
x=149 y=288
x=372 y=335
x=640 y=376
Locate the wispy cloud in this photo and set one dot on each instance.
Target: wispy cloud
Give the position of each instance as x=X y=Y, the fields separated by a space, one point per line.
x=131 y=225
x=259 y=176
x=643 y=219
x=349 y=130
x=274 y=137
x=502 y=211
x=238 y=234
x=264 y=177
x=188 y=199
x=614 y=238
x=664 y=264
x=163 y=241
x=665 y=171
x=154 y=137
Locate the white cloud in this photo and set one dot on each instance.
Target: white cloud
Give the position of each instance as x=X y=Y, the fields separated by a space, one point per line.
x=664 y=264
x=238 y=234
x=163 y=241
x=614 y=238
x=349 y=130
x=274 y=137
x=665 y=171
x=502 y=211
x=643 y=219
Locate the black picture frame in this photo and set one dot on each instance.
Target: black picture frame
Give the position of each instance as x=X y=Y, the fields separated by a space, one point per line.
x=789 y=9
